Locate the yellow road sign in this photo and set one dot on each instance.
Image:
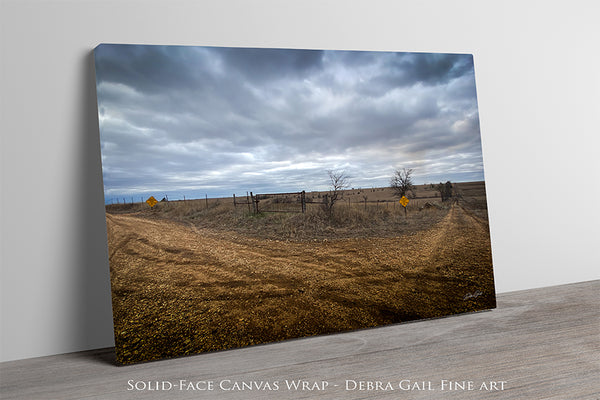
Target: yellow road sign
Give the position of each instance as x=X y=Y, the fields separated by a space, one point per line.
x=404 y=201
x=151 y=201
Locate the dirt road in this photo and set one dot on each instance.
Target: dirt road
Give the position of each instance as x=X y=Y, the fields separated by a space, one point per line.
x=178 y=289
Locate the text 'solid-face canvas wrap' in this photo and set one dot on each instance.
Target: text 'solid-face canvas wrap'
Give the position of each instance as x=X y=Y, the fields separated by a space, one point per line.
x=257 y=195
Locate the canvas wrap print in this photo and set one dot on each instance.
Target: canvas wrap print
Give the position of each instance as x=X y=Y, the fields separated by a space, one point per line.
x=258 y=195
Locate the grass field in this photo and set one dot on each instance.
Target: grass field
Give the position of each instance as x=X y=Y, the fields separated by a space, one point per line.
x=197 y=276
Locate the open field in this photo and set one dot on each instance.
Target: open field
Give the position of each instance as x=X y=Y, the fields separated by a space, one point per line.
x=183 y=283
x=379 y=215
x=356 y=197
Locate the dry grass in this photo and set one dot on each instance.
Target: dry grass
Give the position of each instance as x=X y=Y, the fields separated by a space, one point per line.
x=345 y=222
x=352 y=216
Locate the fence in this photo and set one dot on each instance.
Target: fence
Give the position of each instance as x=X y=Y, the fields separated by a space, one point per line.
x=273 y=202
x=249 y=200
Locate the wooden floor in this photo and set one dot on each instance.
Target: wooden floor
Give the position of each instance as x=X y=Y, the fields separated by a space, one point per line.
x=542 y=343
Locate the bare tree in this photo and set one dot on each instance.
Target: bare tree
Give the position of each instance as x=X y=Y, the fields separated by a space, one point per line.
x=338 y=181
x=402 y=182
x=445 y=190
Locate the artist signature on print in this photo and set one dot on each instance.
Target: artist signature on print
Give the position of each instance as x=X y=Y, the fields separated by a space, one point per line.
x=473 y=295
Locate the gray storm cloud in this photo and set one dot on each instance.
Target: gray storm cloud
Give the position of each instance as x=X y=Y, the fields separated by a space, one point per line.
x=205 y=120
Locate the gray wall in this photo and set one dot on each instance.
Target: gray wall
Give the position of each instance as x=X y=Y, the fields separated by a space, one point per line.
x=536 y=64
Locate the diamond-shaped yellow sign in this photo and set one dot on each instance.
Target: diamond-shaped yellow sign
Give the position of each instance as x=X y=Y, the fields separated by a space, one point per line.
x=151 y=201
x=404 y=201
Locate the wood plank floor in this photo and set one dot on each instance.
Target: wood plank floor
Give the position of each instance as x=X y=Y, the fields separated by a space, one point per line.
x=542 y=343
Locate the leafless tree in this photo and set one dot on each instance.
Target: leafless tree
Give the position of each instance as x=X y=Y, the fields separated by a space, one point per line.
x=402 y=182
x=338 y=181
x=445 y=190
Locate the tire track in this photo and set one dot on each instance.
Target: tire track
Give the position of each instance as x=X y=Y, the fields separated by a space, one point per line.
x=205 y=289
x=211 y=257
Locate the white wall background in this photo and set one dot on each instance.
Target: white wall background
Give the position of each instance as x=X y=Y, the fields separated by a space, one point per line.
x=537 y=67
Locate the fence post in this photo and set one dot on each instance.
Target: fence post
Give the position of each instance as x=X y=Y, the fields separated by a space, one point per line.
x=234 y=203
x=248 y=202
x=206 y=200
x=254 y=204
x=303 y=199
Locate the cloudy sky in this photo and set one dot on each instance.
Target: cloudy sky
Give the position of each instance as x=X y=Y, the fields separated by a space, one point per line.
x=191 y=121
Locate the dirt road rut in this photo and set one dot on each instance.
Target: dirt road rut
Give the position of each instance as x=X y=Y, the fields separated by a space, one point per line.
x=178 y=289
